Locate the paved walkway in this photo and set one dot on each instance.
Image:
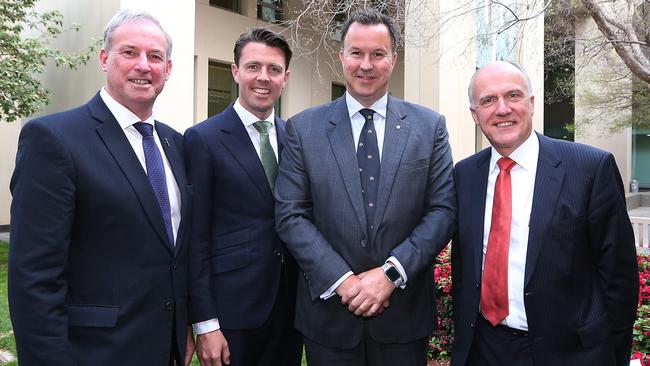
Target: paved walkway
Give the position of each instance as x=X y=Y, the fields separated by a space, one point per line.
x=4 y=237
x=642 y=211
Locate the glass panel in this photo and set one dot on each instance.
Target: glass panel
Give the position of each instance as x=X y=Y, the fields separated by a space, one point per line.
x=641 y=156
x=222 y=89
x=226 y=4
x=270 y=10
x=337 y=91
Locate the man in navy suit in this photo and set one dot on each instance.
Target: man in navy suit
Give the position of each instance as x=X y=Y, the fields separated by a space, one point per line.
x=98 y=259
x=365 y=201
x=242 y=287
x=544 y=264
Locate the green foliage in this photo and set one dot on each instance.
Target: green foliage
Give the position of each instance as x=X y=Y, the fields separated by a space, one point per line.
x=6 y=333
x=25 y=36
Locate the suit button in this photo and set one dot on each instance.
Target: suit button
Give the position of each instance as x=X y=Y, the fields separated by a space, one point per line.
x=477 y=286
x=169 y=306
x=471 y=325
x=277 y=253
x=363 y=243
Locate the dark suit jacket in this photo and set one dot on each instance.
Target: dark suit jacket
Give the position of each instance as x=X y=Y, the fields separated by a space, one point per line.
x=581 y=281
x=93 y=279
x=321 y=217
x=236 y=255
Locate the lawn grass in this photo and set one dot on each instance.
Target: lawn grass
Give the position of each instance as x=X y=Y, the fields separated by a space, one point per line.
x=7 y=341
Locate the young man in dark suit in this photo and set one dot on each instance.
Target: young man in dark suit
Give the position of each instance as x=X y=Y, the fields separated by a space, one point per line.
x=243 y=280
x=544 y=264
x=98 y=256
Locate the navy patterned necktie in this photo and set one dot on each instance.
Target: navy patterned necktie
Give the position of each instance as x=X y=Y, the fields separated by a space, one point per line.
x=156 y=174
x=369 y=165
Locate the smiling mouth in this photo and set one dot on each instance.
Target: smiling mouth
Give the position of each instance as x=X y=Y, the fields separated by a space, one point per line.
x=505 y=124
x=261 y=91
x=140 y=81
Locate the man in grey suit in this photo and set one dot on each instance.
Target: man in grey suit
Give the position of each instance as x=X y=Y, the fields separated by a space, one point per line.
x=365 y=201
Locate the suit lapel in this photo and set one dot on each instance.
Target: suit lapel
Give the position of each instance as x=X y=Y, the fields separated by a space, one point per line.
x=279 y=130
x=240 y=146
x=342 y=143
x=396 y=133
x=479 y=178
x=176 y=163
x=548 y=183
x=116 y=142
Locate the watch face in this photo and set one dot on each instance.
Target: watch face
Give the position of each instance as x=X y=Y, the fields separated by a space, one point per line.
x=393 y=274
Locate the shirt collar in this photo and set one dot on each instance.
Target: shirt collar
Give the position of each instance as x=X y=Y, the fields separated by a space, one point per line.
x=354 y=106
x=123 y=115
x=525 y=155
x=249 y=118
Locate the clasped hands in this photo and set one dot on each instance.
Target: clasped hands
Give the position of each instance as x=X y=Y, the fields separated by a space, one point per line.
x=366 y=294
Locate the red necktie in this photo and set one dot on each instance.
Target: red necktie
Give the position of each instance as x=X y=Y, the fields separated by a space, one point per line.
x=494 y=287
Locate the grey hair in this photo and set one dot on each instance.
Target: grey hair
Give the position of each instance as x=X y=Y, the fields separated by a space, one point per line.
x=519 y=67
x=126 y=16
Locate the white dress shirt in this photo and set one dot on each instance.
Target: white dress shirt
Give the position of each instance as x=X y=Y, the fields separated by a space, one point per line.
x=523 y=184
x=357 y=121
x=126 y=120
x=247 y=119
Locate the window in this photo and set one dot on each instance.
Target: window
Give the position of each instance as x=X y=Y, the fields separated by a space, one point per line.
x=226 y=4
x=222 y=89
x=337 y=90
x=270 y=10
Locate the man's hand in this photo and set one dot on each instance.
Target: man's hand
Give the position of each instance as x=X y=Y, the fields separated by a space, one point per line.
x=348 y=289
x=374 y=295
x=212 y=349
x=189 y=346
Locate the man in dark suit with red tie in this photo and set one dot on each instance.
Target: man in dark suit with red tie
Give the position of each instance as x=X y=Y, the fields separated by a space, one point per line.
x=544 y=264
x=98 y=259
x=243 y=281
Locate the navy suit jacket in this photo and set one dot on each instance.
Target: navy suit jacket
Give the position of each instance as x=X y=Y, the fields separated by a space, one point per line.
x=236 y=254
x=321 y=216
x=93 y=278
x=581 y=281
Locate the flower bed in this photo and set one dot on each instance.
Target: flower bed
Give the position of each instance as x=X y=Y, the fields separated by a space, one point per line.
x=440 y=343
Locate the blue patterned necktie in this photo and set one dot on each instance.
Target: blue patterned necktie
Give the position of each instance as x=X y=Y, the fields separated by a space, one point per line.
x=369 y=165
x=267 y=155
x=156 y=174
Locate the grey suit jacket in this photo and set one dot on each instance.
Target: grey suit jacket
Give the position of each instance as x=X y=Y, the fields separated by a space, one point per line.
x=321 y=218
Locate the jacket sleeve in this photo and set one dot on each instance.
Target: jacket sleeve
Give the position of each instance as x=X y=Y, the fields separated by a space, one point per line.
x=612 y=246
x=42 y=217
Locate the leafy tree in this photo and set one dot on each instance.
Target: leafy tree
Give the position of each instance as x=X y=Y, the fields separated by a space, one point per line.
x=25 y=37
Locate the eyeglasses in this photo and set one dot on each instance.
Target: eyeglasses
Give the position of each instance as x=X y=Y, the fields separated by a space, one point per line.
x=508 y=99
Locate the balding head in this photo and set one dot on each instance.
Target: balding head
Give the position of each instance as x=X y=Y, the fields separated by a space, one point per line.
x=497 y=65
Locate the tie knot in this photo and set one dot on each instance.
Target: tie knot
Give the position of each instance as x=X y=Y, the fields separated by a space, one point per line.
x=367 y=113
x=145 y=129
x=506 y=164
x=262 y=126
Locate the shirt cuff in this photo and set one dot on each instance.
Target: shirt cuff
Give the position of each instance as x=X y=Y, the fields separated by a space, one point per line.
x=331 y=291
x=393 y=260
x=206 y=326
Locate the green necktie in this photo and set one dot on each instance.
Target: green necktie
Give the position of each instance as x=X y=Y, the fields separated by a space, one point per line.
x=269 y=162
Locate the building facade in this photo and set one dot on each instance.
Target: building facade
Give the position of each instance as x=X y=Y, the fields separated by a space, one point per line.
x=442 y=49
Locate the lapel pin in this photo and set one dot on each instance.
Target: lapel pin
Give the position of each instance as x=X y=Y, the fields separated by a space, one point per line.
x=167 y=142
x=398 y=127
